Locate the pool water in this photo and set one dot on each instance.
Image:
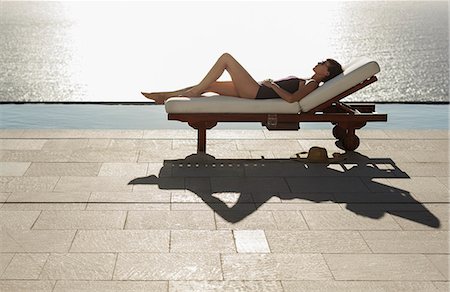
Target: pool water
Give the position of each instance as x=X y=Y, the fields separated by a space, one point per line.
x=148 y=116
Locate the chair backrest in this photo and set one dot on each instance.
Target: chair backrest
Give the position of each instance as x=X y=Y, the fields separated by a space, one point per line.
x=354 y=73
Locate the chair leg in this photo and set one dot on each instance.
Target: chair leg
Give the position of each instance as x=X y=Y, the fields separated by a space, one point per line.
x=201 y=128
x=349 y=139
x=339 y=132
x=201 y=140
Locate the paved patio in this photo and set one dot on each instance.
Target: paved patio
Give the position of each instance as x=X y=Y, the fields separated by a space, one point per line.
x=134 y=210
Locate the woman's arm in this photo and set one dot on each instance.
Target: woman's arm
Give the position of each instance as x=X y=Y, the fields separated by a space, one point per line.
x=303 y=90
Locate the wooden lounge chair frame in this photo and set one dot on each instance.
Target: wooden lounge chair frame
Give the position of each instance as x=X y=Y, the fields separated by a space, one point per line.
x=347 y=117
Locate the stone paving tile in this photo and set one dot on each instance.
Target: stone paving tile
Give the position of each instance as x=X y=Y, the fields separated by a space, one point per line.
x=424 y=169
x=312 y=198
x=345 y=220
x=289 y=220
x=202 y=241
x=406 y=241
x=25 y=266
x=316 y=242
x=42 y=197
x=429 y=156
x=93 y=184
x=167 y=266
x=80 y=220
x=445 y=180
x=81 y=133
x=130 y=197
x=35 y=240
x=356 y=286
x=123 y=169
x=170 y=220
x=170 y=134
x=63 y=169
x=310 y=134
x=395 y=155
x=79 y=266
x=157 y=184
x=420 y=185
x=155 y=168
x=18 y=219
x=395 y=196
x=35 y=155
x=119 y=286
x=235 y=134
x=140 y=144
x=26 y=285
x=261 y=154
x=251 y=241
x=213 y=169
x=442 y=286
x=128 y=206
x=22 y=144
x=254 y=220
x=13 y=168
x=273 y=145
x=292 y=206
x=211 y=144
x=27 y=184
x=227 y=154
x=4 y=197
x=253 y=185
x=229 y=286
x=5 y=259
x=417 y=134
x=76 y=144
x=271 y=267
x=231 y=198
x=406 y=145
x=111 y=156
x=121 y=241
x=330 y=145
x=42 y=206
x=441 y=262
x=158 y=156
x=11 y=133
x=326 y=184
x=210 y=206
x=421 y=220
x=397 y=267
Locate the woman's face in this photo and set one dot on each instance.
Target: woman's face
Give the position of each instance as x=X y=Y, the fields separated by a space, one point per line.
x=322 y=68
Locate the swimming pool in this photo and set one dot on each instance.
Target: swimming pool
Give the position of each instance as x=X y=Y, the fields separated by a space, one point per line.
x=148 y=116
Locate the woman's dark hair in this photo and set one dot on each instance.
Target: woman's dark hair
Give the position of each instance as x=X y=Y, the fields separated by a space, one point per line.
x=334 y=68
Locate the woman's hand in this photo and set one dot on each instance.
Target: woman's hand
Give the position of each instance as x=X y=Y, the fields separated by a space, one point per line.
x=268 y=83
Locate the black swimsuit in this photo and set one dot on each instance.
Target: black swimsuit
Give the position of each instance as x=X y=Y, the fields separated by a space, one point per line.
x=290 y=84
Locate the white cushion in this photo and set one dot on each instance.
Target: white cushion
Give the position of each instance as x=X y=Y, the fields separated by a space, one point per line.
x=355 y=72
x=229 y=104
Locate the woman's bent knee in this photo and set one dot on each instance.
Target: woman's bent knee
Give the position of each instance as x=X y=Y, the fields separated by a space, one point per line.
x=226 y=56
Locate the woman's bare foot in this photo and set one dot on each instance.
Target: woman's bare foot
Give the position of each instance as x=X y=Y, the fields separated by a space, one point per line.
x=159 y=98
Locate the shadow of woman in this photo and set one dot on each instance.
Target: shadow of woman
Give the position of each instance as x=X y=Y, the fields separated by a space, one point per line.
x=256 y=181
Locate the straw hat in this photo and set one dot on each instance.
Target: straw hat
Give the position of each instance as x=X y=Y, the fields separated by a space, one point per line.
x=317 y=155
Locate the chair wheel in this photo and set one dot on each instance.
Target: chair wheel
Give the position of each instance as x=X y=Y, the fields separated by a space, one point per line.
x=339 y=132
x=350 y=142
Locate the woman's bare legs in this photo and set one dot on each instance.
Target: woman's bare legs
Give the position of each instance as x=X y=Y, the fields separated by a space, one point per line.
x=244 y=84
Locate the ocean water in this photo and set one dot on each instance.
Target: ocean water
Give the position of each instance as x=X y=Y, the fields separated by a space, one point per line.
x=110 y=51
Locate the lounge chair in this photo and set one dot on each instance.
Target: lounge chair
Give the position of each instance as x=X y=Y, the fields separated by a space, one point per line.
x=321 y=105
